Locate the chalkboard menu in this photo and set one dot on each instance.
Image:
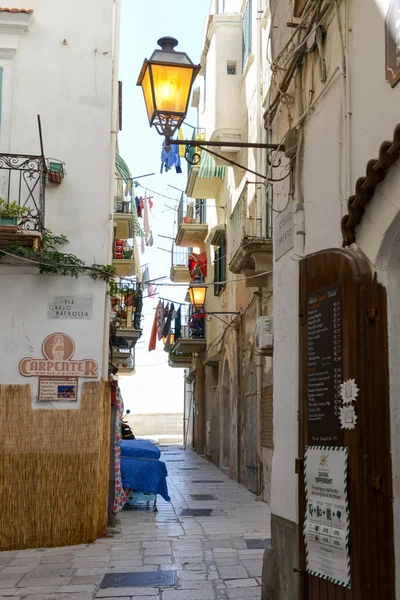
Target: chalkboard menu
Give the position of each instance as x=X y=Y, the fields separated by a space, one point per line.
x=325 y=356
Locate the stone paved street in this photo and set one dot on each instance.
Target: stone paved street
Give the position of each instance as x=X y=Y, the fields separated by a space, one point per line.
x=209 y=554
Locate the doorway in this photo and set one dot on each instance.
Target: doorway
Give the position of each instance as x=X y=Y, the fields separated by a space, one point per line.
x=226 y=418
x=343 y=336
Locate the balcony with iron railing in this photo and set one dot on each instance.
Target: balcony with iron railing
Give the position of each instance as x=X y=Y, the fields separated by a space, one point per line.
x=179 y=264
x=189 y=331
x=22 y=199
x=192 y=222
x=126 y=316
x=23 y=180
x=204 y=176
x=251 y=253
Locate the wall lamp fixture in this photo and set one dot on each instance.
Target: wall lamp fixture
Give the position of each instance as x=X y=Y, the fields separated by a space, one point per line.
x=197 y=294
x=166 y=80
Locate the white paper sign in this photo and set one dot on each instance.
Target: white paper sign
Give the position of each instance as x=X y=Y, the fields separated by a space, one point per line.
x=70 y=307
x=284 y=232
x=326 y=524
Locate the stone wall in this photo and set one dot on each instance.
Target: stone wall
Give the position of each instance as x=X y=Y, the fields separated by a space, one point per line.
x=157 y=424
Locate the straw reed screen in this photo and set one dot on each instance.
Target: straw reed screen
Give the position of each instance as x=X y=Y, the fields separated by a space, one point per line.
x=53 y=469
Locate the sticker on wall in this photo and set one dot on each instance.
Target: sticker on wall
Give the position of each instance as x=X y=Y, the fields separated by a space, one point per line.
x=348 y=417
x=349 y=390
x=58 y=374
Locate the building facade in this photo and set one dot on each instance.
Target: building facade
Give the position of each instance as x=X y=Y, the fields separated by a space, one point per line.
x=57 y=178
x=224 y=233
x=333 y=102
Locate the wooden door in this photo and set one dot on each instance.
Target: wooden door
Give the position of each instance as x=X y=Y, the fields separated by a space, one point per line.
x=359 y=345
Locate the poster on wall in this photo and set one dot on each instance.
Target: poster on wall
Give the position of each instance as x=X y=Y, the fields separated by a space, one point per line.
x=326 y=523
x=58 y=372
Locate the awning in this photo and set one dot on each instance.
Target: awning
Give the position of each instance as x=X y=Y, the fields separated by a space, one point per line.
x=124 y=172
x=208 y=168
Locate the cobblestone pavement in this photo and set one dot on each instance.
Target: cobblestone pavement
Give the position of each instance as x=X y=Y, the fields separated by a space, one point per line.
x=209 y=554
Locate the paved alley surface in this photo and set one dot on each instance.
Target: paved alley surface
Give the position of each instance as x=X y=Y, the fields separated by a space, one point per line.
x=214 y=557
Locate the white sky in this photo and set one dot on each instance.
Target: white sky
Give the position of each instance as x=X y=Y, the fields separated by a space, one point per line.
x=155 y=387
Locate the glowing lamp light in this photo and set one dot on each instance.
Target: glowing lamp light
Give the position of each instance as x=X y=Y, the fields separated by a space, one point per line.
x=166 y=80
x=197 y=294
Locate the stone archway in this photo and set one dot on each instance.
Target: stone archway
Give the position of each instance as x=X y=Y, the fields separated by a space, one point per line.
x=226 y=417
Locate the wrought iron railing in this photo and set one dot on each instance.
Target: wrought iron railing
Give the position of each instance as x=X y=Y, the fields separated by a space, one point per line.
x=127 y=304
x=23 y=181
x=180 y=256
x=189 y=324
x=192 y=211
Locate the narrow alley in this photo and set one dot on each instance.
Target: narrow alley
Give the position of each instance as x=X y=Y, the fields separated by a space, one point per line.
x=216 y=554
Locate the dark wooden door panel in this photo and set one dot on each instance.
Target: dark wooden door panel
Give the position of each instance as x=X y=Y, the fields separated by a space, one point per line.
x=364 y=358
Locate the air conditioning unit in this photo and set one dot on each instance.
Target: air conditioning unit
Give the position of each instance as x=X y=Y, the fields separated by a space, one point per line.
x=264 y=335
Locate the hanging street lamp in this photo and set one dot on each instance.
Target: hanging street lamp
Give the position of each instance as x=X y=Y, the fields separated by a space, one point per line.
x=197 y=293
x=166 y=80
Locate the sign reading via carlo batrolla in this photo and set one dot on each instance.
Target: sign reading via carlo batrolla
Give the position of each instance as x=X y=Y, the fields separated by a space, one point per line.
x=392 y=34
x=58 y=373
x=324 y=349
x=70 y=307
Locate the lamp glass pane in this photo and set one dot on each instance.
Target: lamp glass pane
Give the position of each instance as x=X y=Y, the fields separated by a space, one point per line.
x=197 y=294
x=148 y=94
x=171 y=87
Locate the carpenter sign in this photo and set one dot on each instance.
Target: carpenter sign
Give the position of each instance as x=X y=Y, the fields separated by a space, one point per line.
x=392 y=34
x=70 y=307
x=284 y=232
x=327 y=524
x=58 y=373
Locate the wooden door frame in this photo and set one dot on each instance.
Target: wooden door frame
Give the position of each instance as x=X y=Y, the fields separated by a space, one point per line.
x=365 y=357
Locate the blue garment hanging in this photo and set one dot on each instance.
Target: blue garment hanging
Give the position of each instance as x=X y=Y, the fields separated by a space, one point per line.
x=171 y=158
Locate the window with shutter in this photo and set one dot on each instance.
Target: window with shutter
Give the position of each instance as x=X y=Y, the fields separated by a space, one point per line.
x=246 y=33
x=220 y=267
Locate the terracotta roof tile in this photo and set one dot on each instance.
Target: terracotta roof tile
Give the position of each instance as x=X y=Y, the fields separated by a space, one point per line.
x=376 y=171
x=27 y=11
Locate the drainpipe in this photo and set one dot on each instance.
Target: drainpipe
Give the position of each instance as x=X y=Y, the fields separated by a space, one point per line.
x=107 y=310
x=260 y=125
x=113 y=142
x=238 y=397
x=259 y=372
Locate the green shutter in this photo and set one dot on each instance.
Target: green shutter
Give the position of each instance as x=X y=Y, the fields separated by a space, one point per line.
x=220 y=267
x=246 y=33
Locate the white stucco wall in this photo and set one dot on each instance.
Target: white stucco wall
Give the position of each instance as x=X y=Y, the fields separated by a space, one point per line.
x=374 y=114
x=62 y=70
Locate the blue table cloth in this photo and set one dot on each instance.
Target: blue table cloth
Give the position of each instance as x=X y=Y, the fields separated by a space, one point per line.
x=141 y=469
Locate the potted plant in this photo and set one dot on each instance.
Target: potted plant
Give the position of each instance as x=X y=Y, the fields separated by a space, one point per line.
x=55 y=171
x=10 y=213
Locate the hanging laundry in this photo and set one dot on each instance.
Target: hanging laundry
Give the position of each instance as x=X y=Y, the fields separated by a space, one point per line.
x=153 y=335
x=178 y=323
x=146 y=227
x=160 y=320
x=150 y=240
x=171 y=158
x=138 y=207
x=168 y=320
x=142 y=245
x=151 y=203
x=182 y=148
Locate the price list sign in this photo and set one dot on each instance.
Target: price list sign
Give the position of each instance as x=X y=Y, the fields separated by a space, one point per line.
x=325 y=369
